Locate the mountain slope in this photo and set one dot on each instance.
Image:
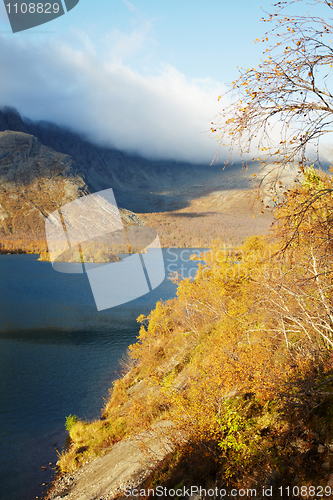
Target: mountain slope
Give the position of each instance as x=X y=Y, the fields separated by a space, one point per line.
x=189 y=204
x=139 y=184
x=34 y=181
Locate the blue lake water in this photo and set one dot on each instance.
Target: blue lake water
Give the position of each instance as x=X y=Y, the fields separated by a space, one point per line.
x=58 y=356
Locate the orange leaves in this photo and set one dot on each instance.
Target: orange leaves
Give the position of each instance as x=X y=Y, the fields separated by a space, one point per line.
x=221 y=336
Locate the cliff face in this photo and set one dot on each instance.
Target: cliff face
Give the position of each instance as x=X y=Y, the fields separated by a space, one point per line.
x=10 y=119
x=34 y=181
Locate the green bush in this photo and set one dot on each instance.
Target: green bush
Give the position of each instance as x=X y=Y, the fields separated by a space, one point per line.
x=70 y=421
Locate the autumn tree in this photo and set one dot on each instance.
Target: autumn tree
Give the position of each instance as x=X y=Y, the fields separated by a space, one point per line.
x=301 y=294
x=285 y=104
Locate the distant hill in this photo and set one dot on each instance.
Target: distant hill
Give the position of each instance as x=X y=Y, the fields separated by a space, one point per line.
x=43 y=165
x=34 y=181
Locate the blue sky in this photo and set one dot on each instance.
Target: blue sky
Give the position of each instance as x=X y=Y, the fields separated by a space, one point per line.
x=139 y=75
x=200 y=38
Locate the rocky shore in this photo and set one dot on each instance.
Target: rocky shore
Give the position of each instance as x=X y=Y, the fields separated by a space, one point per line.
x=126 y=465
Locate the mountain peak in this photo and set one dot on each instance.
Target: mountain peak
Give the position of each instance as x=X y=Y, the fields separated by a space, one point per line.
x=10 y=119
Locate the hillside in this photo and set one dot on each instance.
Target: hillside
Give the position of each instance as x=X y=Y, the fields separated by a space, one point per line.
x=233 y=378
x=230 y=383
x=35 y=180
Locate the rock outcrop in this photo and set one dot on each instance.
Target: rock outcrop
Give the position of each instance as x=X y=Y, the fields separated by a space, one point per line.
x=125 y=466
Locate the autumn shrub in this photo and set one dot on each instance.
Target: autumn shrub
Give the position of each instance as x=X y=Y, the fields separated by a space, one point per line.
x=70 y=421
x=90 y=439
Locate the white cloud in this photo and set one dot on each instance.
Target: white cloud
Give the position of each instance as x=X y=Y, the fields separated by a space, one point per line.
x=129 y=5
x=161 y=115
x=125 y=45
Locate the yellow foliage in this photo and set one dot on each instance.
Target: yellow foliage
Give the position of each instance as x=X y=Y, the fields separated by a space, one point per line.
x=247 y=339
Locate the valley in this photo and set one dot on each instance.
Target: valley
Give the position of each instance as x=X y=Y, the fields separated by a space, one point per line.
x=43 y=167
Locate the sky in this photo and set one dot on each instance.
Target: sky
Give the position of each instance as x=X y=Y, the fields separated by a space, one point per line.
x=143 y=76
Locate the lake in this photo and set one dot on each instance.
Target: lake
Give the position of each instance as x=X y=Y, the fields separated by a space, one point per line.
x=58 y=356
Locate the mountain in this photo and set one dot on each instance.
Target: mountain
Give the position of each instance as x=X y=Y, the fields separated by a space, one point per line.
x=35 y=180
x=139 y=184
x=43 y=166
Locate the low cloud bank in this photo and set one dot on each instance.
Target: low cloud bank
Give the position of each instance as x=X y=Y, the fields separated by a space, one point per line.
x=160 y=115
